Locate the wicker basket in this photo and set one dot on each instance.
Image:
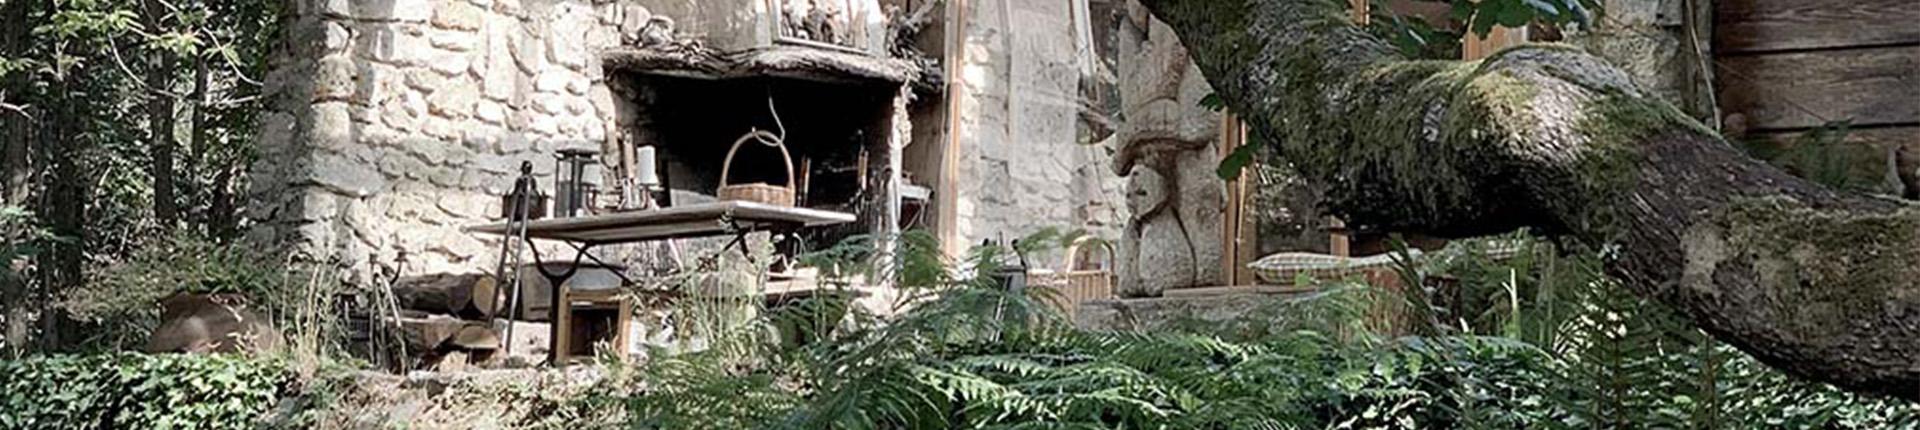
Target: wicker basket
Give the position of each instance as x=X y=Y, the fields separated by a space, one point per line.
x=777 y=195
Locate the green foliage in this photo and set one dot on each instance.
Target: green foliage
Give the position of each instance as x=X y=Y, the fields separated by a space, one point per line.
x=77 y=77
x=139 y=391
x=1481 y=16
x=124 y=300
x=1822 y=155
x=1523 y=335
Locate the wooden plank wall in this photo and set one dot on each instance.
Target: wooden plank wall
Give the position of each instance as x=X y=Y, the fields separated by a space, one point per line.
x=1786 y=66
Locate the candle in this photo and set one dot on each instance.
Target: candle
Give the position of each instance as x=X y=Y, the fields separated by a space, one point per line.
x=646 y=173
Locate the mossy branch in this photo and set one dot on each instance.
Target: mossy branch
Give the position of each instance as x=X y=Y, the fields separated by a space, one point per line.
x=1554 y=139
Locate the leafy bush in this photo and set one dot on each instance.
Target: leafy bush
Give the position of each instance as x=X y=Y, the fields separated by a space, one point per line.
x=123 y=302
x=138 y=391
x=1537 y=340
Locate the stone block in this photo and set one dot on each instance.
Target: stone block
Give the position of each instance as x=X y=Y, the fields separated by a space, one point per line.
x=454 y=101
x=490 y=112
x=498 y=73
x=457 y=15
x=383 y=10
x=450 y=63
x=397 y=165
x=441 y=128
x=342 y=174
x=552 y=81
x=529 y=51
x=456 y=41
x=337 y=37
x=567 y=36
x=467 y=205
x=334 y=78
x=391 y=44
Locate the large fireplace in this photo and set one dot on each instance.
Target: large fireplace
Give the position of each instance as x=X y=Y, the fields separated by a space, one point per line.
x=840 y=118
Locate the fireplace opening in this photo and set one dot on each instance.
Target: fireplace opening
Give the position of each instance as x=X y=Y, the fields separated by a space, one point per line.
x=835 y=132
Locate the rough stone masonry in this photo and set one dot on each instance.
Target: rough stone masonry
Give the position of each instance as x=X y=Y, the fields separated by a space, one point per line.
x=397 y=122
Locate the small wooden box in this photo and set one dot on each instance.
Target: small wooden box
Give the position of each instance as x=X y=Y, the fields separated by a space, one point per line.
x=590 y=317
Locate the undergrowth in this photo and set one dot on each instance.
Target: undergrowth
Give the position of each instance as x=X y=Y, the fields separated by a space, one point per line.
x=1536 y=339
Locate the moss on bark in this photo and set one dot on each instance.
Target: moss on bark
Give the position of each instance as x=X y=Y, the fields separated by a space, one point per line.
x=1549 y=137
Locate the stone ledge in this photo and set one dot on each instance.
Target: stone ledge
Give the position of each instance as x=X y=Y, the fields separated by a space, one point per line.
x=1210 y=304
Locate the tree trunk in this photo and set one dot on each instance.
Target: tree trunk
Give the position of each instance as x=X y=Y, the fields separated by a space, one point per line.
x=160 y=120
x=1816 y=282
x=197 y=148
x=15 y=172
x=62 y=203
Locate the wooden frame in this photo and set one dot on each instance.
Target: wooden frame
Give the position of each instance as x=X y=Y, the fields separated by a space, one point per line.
x=571 y=302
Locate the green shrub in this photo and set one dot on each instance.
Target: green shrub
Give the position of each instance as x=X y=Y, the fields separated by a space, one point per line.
x=128 y=390
x=123 y=301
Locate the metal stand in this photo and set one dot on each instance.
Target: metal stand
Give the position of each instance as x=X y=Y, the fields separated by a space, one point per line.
x=522 y=210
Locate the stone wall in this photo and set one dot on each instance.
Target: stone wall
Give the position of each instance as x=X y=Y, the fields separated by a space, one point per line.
x=1027 y=160
x=398 y=122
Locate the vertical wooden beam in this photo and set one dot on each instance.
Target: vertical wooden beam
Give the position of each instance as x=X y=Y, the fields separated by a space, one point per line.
x=1473 y=47
x=1360 y=10
x=1231 y=213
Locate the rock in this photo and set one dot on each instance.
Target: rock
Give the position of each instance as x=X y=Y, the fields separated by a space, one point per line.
x=456 y=15
x=338 y=38
x=344 y=175
x=553 y=81
x=456 y=41
x=566 y=43
x=499 y=74
x=450 y=63
x=529 y=52
x=334 y=78
x=454 y=101
x=202 y=323
x=389 y=43
x=490 y=112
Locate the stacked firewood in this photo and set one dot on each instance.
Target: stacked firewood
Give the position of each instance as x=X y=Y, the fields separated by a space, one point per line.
x=446 y=322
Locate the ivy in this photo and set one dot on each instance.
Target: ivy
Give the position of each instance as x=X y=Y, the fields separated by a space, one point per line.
x=127 y=390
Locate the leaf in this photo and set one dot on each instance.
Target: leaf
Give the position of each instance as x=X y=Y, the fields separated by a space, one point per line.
x=1512 y=13
x=1236 y=161
x=1213 y=102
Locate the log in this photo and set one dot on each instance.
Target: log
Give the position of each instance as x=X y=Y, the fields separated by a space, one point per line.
x=1817 y=282
x=443 y=333
x=466 y=296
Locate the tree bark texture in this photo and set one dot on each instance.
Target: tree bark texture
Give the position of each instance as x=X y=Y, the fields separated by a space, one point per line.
x=15 y=172
x=1817 y=282
x=160 y=121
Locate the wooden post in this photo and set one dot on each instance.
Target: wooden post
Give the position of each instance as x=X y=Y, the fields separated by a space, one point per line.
x=947 y=196
x=1235 y=206
x=1473 y=47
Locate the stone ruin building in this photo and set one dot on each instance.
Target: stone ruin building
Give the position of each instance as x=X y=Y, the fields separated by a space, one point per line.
x=398 y=123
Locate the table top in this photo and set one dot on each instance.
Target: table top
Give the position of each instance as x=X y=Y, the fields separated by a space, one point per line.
x=694 y=220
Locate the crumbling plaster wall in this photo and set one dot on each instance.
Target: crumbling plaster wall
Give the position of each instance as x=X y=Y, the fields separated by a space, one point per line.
x=1024 y=162
x=398 y=122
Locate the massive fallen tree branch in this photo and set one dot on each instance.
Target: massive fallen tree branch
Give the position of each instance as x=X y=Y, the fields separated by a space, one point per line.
x=1814 y=281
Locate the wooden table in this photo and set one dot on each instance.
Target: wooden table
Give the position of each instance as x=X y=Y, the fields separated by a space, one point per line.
x=686 y=221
